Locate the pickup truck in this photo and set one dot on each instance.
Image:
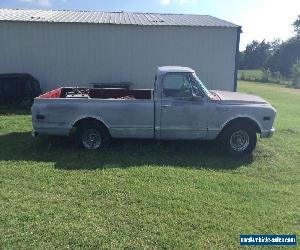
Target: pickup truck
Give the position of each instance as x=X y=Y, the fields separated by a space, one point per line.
x=179 y=107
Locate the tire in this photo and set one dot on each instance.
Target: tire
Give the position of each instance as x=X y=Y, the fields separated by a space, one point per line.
x=92 y=136
x=238 y=139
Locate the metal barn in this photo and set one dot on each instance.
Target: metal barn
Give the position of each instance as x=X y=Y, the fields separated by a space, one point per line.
x=75 y=48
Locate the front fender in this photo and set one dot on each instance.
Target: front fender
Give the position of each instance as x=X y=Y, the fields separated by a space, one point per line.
x=245 y=117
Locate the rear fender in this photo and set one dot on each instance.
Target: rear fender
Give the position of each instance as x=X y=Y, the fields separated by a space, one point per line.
x=72 y=124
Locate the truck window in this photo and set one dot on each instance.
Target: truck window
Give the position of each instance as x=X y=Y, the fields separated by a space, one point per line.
x=176 y=85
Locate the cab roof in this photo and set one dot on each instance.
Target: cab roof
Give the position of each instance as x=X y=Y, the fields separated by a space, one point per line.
x=166 y=69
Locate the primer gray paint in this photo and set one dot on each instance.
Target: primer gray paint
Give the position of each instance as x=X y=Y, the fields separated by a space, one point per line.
x=74 y=54
x=161 y=117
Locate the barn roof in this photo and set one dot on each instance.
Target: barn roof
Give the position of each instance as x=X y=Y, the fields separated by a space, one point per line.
x=101 y=17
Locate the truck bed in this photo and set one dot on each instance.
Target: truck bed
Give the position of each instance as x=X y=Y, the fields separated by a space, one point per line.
x=96 y=93
x=126 y=113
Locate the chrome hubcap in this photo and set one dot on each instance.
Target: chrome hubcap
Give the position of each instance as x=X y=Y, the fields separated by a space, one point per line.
x=239 y=140
x=91 y=139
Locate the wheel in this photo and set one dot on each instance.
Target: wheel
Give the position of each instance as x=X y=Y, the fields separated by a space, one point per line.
x=92 y=136
x=238 y=139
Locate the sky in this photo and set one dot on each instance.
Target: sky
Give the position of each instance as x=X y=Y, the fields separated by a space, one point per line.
x=260 y=19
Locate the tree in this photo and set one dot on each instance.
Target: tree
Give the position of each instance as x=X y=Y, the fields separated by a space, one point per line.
x=296 y=25
x=275 y=45
x=278 y=56
x=241 y=62
x=255 y=55
x=285 y=56
x=296 y=73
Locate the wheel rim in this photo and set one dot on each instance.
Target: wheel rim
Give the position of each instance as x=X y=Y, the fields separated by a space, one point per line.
x=239 y=140
x=91 y=139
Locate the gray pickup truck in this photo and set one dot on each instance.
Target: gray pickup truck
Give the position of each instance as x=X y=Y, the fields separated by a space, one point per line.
x=178 y=108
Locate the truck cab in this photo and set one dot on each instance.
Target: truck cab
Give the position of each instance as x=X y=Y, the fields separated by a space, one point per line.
x=180 y=104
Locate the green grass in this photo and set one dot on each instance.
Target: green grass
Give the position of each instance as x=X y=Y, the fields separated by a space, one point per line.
x=145 y=194
x=257 y=75
x=253 y=74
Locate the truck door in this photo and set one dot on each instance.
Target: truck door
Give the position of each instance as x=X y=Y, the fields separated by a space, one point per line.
x=182 y=116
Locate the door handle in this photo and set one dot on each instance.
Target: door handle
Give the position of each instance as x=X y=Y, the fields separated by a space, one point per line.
x=166 y=105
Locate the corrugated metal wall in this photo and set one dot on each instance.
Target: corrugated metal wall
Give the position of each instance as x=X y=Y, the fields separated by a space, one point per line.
x=66 y=54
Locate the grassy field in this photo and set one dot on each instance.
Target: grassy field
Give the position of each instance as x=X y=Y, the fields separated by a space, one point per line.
x=254 y=74
x=145 y=194
x=258 y=75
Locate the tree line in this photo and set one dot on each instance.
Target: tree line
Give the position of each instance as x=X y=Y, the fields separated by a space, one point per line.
x=278 y=57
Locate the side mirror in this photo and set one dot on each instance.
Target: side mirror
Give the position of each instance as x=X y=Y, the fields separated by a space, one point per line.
x=196 y=97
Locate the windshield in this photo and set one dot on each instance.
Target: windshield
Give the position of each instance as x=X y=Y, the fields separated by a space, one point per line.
x=198 y=87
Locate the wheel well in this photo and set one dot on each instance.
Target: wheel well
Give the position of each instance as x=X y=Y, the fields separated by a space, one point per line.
x=244 y=120
x=90 y=120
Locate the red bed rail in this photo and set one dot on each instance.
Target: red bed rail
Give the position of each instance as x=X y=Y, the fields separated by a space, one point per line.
x=52 y=94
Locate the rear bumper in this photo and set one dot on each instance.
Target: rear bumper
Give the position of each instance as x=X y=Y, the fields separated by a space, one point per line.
x=49 y=131
x=268 y=133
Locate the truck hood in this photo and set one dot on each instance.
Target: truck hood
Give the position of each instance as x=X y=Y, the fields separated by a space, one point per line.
x=238 y=98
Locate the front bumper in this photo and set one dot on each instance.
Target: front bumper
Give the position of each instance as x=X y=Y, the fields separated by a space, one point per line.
x=268 y=133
